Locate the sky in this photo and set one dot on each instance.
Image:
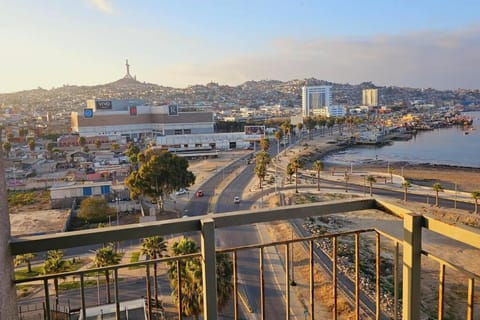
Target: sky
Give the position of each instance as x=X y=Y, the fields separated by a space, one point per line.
x=424 y=44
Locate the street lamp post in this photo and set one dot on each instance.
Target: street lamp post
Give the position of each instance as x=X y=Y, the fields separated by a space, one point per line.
x=117 y=199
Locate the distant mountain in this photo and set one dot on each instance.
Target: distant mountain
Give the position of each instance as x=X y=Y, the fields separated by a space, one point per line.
x=250 y=94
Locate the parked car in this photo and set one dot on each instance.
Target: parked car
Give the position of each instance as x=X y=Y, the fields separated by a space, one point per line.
x=199 y=193
x=180 y=192
x=236 y=200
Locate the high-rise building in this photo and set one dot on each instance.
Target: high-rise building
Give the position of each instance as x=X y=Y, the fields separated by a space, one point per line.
x=370 y=97
x=314 y=98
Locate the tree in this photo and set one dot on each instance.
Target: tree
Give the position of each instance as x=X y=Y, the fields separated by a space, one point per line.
x=105 y=257
x=261 y=162
x=476 y=196
x=371 y=180
x=132 y=153
x=154 y=247
x=286 y=131
x=115 y=146
x=54 y=263
x=318 y=167
x=405 y=184
x=25 y=258
x=296 y=164
x=264 y=144
x=391 y=171
x=49 y=146
x=299 y=127
x=160 y=174
x=7 y=147
x=31 y=144
x=95 y=209
x=86 y=149
x=290 y=170
x=278 y=137
x=437 y=187
x=10 y=137
x=310 y=124
x=191 y=275
x=82 y=141
x=98 y=144
x=346 y=177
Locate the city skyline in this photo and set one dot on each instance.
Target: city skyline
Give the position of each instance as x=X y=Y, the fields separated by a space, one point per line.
x=428 y=44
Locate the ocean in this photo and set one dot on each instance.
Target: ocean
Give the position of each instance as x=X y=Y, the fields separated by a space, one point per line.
x=444 y=146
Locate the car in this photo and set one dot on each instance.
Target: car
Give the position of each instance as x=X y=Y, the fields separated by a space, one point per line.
x=180 y=192
x=236 y=200
x=199 y=193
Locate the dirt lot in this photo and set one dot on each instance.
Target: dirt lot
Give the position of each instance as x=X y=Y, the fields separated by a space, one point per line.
x=456 y=282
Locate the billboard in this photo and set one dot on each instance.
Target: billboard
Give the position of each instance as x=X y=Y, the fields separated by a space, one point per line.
x=173 y=110
x=103 y=104
x=254 y=132
x=133 y=110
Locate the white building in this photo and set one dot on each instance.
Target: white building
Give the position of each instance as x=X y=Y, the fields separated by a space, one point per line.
x=334 y=111
x=131 y=118
x=314 y=98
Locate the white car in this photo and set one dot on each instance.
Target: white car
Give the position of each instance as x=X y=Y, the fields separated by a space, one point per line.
x=236 y=200
x=180 y=192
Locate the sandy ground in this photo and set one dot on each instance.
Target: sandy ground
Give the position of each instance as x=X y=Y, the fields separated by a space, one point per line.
x=466 y=179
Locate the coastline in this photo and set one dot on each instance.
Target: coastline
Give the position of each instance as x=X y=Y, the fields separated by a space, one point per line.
x=464 y=178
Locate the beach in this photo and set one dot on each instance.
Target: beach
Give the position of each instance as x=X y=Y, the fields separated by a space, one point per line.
x=465 y=178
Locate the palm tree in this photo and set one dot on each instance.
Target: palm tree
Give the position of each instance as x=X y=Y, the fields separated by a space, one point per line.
x=347 y=178
x=154 y=247
x=25 y=258
x=191 y=275
x=296 y=164
x=262 y=160
x=476 y=196
x=104 y=257
x=278 y=137
x=437 y=187
x=264 y=144
x=115 y=146
x=98 y=144
x=405 y=184
x=54 y=263
x=318 y=166
x=82 y=141
x=7 y=147
x=371 y=180
x=49 y=146
x=290 y=170
x=391 y=171
x=31 y=144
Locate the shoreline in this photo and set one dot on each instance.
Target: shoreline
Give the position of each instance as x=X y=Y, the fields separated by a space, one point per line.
x=464 y=178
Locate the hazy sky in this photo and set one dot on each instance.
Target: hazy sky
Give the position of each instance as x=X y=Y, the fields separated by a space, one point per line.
x=421 y=43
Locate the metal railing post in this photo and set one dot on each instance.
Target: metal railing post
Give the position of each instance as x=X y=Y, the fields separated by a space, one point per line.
x=412 y=247
x=209 y=269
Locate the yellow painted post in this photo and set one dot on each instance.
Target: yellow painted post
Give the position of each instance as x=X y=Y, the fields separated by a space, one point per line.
x=209 y=269
x=412 y=246
x=470 y=297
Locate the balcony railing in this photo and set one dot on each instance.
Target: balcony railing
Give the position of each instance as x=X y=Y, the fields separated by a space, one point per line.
x=407 y=253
